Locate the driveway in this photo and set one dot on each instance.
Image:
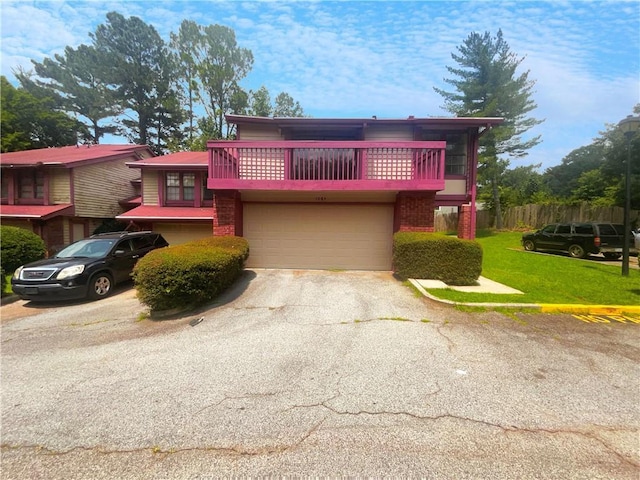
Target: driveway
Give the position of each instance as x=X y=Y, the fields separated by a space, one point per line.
x=298 y=373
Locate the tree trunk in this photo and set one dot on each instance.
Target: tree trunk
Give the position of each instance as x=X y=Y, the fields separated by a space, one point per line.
x=496 y=203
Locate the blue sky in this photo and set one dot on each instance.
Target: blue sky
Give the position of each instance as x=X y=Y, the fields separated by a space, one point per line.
x=359 y=59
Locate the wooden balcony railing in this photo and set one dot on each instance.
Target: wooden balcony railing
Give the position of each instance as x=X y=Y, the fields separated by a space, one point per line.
x=326 y=165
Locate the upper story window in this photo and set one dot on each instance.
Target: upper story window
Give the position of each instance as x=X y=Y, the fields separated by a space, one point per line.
x=455 y=159
x=180 y=187
x=187 y=189
x=31 y=185
x=324 y=164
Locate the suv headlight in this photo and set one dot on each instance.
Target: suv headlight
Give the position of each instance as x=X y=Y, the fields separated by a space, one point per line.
x=70 y=272
x=16 y=274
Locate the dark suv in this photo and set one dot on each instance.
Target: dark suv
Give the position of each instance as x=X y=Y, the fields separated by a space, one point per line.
x=86 y=268
x=579 y=239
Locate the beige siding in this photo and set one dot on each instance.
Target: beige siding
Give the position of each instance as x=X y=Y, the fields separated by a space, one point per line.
x=10 y=222
x=150 y=194
x=354 y=237
x=258 y=132
x=177 y=233
x=454 y=187
x=59 y=186
x=99 y=187
x=395 y=133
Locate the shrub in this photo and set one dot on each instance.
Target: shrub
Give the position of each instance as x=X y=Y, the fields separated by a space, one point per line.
x=19 y=246
x=432 y=256
x=190 y=274
x=3 y=281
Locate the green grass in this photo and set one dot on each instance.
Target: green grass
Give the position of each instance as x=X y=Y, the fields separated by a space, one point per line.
x=7 y=287
x=547 y=278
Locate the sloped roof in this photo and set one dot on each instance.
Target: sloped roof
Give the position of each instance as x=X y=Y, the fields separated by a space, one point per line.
x=42 y=212
x=154 y=212
x=178 y=160
x=72 y=156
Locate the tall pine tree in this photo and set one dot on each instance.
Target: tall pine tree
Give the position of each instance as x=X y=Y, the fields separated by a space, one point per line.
x=486 y=84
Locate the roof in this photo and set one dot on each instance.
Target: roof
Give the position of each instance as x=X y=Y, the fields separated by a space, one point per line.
x=178 y=160
x=41 y=212
x=72 y=156
x=154 y=212
x=355 y=122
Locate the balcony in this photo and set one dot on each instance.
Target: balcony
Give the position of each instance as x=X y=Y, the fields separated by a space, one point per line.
x=326 y=165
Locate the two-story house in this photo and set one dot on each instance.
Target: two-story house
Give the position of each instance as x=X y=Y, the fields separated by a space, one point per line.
x=316 y=193
x=330 y=193
x=175 y=199
x=64 y=193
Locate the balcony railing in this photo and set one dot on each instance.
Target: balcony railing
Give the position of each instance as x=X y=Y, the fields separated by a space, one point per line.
x=326 y=165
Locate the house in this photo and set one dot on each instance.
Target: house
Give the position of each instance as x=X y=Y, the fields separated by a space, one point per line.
x=64 y=193
x=175 y=199
x=316 y=193
x=330 y=193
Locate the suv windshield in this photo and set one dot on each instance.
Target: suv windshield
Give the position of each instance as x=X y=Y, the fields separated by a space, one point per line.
x=92 y=248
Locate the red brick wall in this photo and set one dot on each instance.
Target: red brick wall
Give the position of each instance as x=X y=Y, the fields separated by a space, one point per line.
x=227 y=213
x=465 y=227
x=414 y=212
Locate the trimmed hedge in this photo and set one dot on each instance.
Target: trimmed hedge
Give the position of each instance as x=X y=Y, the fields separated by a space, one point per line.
x=19 y=246
x=190 y=274
x=437 y=257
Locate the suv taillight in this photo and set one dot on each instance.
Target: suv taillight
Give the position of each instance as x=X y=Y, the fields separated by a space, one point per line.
x=596 y=241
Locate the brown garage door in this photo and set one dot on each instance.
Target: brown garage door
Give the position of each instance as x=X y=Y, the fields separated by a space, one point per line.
x=354 y=237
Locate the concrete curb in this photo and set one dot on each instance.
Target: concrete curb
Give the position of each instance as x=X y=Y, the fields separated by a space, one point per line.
x=544 y=308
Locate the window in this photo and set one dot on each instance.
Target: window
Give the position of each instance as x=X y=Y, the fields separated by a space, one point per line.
x=5 y=187
x=187 y=189
x=455 y=159
x=180 y=187
x=563 y=229
x=549 y=229
x=31 y=185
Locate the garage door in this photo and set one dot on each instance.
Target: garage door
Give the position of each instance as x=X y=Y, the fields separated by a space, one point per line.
x=177 y=233
x=354 y=237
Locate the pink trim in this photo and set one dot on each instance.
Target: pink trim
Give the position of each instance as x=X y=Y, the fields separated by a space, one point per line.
x=328 y=185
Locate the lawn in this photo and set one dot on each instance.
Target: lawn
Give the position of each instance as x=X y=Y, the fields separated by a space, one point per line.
x=547 y=278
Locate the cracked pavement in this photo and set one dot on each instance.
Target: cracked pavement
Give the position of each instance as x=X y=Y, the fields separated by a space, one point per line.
x=310 y=373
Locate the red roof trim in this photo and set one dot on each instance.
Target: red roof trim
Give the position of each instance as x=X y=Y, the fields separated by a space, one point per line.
x=40 y=212
x=149 y=212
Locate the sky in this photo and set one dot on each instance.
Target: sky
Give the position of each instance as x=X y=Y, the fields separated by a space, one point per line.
x=353 y=59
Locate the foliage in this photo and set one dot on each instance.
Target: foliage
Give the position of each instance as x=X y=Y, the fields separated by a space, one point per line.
x=286 y=106
x=74 y=79
x=261 y=102
x=19 y=246
x=190 y=274
x=29 y=122
x=138 y=65
x=486 y=85
x=547 y=278
x=432 y=256
x=3 y=282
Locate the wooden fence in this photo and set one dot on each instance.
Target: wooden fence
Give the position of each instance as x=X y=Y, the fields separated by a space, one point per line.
x=535 y=216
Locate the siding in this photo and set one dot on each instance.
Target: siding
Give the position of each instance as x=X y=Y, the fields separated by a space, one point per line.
x=59 y=186
x=389 y=133
x=99 y=187
x=253 y=132
x=150 y=195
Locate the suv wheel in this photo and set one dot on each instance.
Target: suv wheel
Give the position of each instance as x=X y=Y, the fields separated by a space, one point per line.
x=529 y=246
x=100 y=286
x=576 y=251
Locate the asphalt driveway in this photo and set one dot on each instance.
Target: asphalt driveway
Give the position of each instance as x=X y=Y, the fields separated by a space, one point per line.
x=315 y=373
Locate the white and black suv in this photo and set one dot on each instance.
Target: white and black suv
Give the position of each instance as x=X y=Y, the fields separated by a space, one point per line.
x=87 y=268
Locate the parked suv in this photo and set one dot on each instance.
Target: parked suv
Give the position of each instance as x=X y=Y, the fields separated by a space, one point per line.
x=87 y=268
x=579 y=239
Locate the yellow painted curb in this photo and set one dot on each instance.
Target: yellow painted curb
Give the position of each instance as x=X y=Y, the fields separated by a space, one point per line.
x=590 y=309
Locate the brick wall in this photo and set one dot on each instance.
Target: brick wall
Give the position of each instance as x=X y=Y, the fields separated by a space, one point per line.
x=465 y=225
x=414 y=212
x=227 y=213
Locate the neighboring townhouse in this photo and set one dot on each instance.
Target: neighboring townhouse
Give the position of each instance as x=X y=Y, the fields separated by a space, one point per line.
x=175 y=198
x=330 y=193
x=64 y=193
